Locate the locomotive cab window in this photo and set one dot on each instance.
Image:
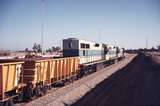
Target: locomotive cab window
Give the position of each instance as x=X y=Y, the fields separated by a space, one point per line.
x=82 y=45
x=96 y=45
x=87 y=46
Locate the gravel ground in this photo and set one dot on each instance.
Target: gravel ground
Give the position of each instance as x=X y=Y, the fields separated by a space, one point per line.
x=71 y=93
x=136 y=84
x=156 y=59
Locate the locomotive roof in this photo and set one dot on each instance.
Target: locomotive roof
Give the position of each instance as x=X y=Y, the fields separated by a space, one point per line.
x=82 y=40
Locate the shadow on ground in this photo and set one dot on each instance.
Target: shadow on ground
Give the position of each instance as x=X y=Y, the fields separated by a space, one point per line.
x=136 y=84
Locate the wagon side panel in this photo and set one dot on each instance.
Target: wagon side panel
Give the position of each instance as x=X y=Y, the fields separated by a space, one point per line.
x=52 y=71
x=45 y=76
x=1 y=83
x=52 y=68
x=65 y=68
x=56 y=70
x=48 y=73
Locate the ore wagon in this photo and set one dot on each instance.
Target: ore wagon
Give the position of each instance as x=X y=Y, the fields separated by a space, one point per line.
x=40 y=74
x=11 y=83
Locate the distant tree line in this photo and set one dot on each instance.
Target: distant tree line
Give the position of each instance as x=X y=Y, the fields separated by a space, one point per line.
x=37 y=48
x=5 y=53
x=153 y=49
x=53 y=49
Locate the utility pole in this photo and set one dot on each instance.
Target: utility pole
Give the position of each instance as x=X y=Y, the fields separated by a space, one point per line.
x=60 y=44
x=146 y=42
x=42 y=25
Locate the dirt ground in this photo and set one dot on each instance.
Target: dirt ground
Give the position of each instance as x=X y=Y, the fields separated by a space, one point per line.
x=136 y=84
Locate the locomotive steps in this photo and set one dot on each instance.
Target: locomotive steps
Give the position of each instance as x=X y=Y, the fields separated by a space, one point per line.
x=71 y=93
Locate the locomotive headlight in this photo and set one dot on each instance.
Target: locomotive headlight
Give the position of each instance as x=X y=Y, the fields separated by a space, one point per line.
x=70 y=45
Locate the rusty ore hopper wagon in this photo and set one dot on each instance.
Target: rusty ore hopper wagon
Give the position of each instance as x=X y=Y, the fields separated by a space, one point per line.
x=41 y=74
x=11 y=83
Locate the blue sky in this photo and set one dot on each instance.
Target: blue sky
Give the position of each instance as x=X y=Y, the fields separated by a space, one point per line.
x=121 y=22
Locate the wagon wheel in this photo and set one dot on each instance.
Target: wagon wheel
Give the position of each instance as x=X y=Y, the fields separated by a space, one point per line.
x=44 y=89
x=29 y=90
x=38 y=91
x=8 y=103
x=50 y=87
x=20 y=97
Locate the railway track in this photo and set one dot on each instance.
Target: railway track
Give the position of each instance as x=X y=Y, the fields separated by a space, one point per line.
x=71 y=93
x=135 y=84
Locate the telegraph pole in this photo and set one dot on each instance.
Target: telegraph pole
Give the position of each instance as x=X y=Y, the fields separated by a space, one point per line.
x=146 y=42
x=42 y=26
